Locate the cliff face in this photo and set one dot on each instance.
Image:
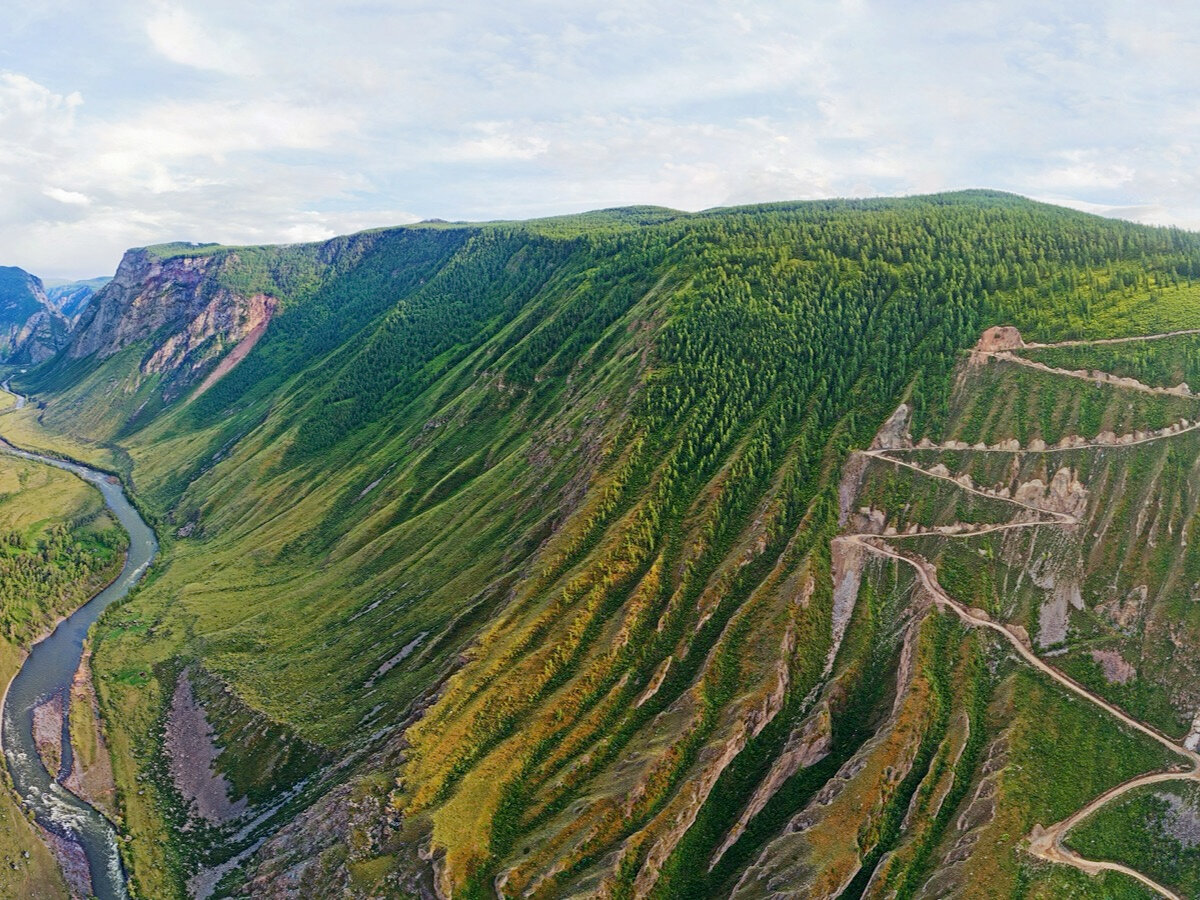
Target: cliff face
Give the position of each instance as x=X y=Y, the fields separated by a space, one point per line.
x=180 y=306
x=41 y=336
x=31 y=328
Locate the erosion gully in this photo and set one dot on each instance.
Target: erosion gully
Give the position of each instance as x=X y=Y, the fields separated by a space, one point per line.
x=51 y=665
x=1044 y=842
x=48 y=671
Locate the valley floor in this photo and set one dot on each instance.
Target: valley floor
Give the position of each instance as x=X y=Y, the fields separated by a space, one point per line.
x=522 y=559
x=38 y=587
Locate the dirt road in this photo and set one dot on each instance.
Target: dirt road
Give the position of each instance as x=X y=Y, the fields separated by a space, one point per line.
x=1044 y=842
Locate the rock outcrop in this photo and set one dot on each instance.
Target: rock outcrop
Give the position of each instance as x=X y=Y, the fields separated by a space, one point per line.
x=182 y=308
x=91 y=775
x=31 y=327
x=998 y=338
x=71 y=299
x=188 y=740
x=48 y=732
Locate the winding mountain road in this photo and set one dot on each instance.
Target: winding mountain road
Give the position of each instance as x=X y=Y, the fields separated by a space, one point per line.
x=1044 y=842
x=1090 y=375
x=1095 y=342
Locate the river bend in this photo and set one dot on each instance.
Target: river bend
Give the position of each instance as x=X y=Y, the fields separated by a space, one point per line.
x=49 y=670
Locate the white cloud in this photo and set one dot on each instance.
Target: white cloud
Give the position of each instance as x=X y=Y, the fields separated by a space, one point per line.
x=183 y=39
x=72 y=198
x=497 y=141
x=297 y=119
x=32 y=115
x=1085 y=170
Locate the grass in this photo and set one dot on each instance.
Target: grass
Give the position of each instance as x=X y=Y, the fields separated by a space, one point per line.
x=1004 y=400
x=1048 y=733
x=1151 y=829
x=1133 y=542
x=87 y=744
x=22 y=429
x=60 y=546
x=39 y=875
x=1157 y=306
x=1162 y=363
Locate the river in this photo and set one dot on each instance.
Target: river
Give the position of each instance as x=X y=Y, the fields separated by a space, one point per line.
x=49 y=670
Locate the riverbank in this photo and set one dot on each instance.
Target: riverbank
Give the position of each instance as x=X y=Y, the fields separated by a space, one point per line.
x=33 y=498
x=21 y=429
x=28 y=868
x=91 y=775
x=51 y=668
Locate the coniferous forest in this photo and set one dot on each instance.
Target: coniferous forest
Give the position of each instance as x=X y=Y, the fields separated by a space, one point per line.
x=514 y=559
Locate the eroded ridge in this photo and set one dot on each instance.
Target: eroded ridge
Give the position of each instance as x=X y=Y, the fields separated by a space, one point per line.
x=1044 y=842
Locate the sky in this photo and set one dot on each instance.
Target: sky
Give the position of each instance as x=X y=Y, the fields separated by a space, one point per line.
x=131 y=122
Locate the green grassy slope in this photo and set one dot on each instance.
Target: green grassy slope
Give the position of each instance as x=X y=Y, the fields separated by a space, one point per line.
x=585 y=469
x=1151 y=829
x=1105 y=596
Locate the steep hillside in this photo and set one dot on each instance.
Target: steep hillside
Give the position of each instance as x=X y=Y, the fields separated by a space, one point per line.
x=31 y=328
x=501 y=558
x=1049 y=510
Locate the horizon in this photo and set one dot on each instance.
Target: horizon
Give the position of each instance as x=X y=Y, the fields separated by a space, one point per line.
x=675 y=450
x=58 y=281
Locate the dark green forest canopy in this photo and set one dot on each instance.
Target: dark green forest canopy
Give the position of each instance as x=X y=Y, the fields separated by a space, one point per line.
x=771 y=324
x=793 y=297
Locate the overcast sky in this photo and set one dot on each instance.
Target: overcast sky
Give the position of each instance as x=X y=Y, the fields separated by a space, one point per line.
x=130 y=122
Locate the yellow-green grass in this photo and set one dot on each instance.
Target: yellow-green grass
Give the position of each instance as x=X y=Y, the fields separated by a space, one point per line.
x=236 y=588
x=324 y=530
x=36 y=502
x=34 y=496
x=21 y=428
x=125 y=711
x=87 y=743
x=1148 y=829
x=1155 y=307
x=1050 y=734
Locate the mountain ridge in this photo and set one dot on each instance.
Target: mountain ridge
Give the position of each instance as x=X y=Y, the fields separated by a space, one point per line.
x=528 y=526
x=71 y=297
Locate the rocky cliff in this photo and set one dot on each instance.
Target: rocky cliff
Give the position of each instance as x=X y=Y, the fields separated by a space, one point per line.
x=533 y=559
x=180 y=308
x=31 y=328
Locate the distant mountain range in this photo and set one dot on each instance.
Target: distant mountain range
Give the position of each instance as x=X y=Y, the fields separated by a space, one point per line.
x=35 y=321
x=72 y=296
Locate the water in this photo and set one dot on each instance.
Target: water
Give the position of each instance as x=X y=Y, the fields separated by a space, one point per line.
x=49 y=670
